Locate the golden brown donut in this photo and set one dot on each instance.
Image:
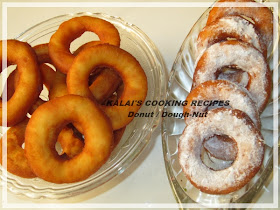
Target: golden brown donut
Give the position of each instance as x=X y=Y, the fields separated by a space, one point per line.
x=69 y=30
x=46 y=123
x=105 y=84
x=249 y=157
x=28 y=86
x=129 y=69
x=42 y=52
x=47 y=74
x=73 y=146
x=16 y=160
x=58 y=86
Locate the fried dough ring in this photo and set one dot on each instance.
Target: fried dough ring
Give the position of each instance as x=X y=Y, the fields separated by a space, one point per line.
x=245 y=57
x=129 y=69
x=69 y=30
x=105 y=84
x=27 y=90
x=72 y=145
x=47 y=74
x=42 y=52
x=45 y=124
x=262 y=17
x=10 y=85
x=222 y=90
x=16 y=160
x=249 y=156
x=229 y=27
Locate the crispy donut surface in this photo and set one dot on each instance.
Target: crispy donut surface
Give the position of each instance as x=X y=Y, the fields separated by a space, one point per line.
x=28 y=86
x=69 y=30
x=16 y=160
x=46 y=123
x=42 y=52
x=241 y=129
x=129 y=69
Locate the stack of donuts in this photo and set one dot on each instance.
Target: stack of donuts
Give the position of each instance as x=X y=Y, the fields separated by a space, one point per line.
x=231 y=66
x=74 y=114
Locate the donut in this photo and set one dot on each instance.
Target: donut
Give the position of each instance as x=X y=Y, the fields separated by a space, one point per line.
x=261 y=16
x=16 y=160
x=129 y=69
x=42 y=52
x=69 y=30
x=58 y=86
x=104 y=81
x=229 y=27
x=47 y=74
x=86 y=45
x=105 y=84
x=46 y=123
x=220 y=93
x=240 y=128
x=72 y=145
x=239 y=55
x=28 y=86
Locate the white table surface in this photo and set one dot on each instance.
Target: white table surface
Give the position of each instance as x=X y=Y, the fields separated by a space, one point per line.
x=146 y=180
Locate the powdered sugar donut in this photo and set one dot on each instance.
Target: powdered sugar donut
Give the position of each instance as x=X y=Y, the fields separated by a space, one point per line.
x=260 y=15
x=227 y=94
x=229 y=27
x=248 y=159
x=239 y=55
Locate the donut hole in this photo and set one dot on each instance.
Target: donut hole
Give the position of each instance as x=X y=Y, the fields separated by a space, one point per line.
x=23 y=145
x=83 y=39
x=233 y=74
x=218 y=152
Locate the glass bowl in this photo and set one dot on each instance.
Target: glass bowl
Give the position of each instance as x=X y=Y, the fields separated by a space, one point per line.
x=137 y=134
x=179 y=86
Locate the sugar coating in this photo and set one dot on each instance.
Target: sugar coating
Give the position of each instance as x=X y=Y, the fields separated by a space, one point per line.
x=234 y=27
x=223 y=122
x=239 y=98
x=262 y=17
x=230 y=53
